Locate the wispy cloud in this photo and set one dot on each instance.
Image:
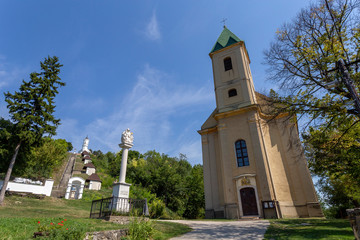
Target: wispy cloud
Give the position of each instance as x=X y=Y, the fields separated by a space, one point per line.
x=9 y=73
x=10 y=79
x=152 y=28
x=156 y=111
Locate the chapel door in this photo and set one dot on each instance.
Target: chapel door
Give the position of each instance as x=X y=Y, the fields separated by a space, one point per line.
x=248 y=201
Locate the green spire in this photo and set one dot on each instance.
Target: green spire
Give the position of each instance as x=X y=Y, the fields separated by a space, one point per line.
x=226 y=38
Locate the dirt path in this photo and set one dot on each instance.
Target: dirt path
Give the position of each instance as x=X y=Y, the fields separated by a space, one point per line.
x=254 y=229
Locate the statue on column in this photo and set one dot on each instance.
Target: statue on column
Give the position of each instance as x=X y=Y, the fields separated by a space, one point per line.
x=127 y=137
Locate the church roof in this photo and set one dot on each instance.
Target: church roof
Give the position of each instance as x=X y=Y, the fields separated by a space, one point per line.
x=225 y=39
x=94 y=177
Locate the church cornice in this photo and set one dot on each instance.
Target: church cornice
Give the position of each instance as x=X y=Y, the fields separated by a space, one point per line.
x=254 y=107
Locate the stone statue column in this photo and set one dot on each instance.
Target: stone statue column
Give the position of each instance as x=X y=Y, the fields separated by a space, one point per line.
x=121 y=189
x=127 y=139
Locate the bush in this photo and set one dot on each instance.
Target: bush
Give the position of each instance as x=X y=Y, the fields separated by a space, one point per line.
x=157 y=208
x=140 y=228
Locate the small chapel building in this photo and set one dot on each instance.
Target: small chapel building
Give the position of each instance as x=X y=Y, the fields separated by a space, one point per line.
x=252 y=167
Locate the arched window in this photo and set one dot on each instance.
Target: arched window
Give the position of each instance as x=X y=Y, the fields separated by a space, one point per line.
x=232 y=92
x=241 y=153
x=227 y=64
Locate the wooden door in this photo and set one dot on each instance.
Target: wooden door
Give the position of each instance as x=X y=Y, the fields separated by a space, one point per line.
x=248 y=201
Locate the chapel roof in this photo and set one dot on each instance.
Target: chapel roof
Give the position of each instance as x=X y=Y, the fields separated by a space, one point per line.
x=89 y=165
x=94 y=177
x=86 y=157
x=85 y=153
x=225 y=39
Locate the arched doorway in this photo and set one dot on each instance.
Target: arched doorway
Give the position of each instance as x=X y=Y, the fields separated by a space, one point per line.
x=75 y=190
x=248 y=201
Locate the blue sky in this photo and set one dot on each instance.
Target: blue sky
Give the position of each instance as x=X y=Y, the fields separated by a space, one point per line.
x=142 y=65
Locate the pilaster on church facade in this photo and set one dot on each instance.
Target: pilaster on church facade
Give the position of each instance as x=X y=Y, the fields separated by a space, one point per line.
x=251 y=166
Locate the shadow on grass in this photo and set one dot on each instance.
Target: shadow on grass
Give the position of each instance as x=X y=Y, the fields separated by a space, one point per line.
x=309 y=229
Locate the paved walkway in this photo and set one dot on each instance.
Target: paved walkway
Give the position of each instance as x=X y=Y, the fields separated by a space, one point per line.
x=246 y=229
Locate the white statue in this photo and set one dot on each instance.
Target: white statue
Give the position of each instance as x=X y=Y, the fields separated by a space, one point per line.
x=127 y=137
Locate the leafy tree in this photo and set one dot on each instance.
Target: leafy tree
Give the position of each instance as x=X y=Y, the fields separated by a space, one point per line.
x=334 y=158
x=303 y=60
x=195 y=193
x=70 y=146
x=335 y=200
x=31 y=109
x=43 y=160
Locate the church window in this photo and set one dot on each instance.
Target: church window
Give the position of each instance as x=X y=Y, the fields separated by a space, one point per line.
x=227 y=64
x=241 y=153
x=232 y=92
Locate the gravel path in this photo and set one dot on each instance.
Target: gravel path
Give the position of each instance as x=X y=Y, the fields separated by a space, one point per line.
x=250 y=229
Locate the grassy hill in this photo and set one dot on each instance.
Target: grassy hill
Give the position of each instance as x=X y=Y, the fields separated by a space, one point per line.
x=19 y=217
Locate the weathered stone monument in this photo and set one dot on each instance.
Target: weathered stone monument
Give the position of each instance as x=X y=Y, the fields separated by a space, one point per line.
x=121 y=189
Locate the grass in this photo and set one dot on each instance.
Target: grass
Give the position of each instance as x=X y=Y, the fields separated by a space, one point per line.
x=23 y=228
x=166 y=230
x=19 y=217
x=309 y=229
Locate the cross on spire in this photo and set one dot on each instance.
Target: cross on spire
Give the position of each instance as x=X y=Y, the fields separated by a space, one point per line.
x=223 y=21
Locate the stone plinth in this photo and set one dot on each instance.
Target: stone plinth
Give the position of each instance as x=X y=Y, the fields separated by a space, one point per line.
x=354 y=217
x=121 y=194
x=121 y=190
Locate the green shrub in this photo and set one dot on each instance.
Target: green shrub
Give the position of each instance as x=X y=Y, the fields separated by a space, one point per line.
x=140 y=228
x=156 y=208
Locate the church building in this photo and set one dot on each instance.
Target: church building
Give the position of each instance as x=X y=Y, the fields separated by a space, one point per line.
x=253 y=167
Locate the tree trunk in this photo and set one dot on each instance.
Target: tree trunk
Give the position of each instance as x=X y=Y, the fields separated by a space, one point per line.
x=8 y=174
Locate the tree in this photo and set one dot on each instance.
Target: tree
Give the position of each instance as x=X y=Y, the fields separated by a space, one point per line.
x=195 y=205
x=43 y=160
x=31 y=109
x=303 y=60
x=336 y=160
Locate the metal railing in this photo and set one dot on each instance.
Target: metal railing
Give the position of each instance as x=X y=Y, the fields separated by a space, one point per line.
x=111 y=206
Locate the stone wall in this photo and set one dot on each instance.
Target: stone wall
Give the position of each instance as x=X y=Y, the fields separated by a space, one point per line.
x=30 y=188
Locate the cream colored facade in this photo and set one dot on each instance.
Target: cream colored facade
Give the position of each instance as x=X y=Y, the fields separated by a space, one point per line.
x=276 y=182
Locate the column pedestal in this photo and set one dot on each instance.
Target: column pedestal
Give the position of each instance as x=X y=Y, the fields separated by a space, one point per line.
x=121 y=197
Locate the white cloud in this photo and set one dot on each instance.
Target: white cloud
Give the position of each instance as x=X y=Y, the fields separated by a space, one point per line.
x=152 y=28
x=9 y=73
x=158 y=113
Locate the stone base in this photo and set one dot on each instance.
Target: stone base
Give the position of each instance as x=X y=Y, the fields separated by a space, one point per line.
x=354 y=218
x=121 y=193
x=112 y=234
x=121 y=190
x=118 y=219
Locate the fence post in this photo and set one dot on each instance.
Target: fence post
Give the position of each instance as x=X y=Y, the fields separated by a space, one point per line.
x=92 y=203
x=101 y=207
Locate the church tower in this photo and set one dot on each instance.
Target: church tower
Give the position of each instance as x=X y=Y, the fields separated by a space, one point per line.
x=252 y=167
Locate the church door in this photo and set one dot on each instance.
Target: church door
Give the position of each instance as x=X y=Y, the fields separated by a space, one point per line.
x=248 y=201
